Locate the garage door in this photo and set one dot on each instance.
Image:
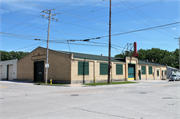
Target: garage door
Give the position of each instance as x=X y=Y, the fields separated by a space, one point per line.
x=10 y=72
x=131 y=71
x=0 y=72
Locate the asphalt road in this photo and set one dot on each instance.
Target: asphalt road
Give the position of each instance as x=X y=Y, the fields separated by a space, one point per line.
x=143 y=100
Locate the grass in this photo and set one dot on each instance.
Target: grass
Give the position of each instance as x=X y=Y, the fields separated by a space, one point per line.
x=40 y=83
x=105 y=83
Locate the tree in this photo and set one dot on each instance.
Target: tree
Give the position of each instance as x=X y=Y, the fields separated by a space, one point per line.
x=12 y=55
x=158 y=55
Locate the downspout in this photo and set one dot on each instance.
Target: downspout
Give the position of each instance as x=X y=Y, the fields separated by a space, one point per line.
x=71 y=61
x=94 y=73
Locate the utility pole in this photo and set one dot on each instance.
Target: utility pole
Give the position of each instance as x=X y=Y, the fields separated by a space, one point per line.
x=179 y=51
x=47 y=52
x=109 y=60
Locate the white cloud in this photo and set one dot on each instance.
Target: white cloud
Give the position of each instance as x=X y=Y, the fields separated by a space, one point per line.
x=174 y=28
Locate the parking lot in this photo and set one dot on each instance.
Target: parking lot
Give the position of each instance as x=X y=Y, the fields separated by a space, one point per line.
x=143 y=100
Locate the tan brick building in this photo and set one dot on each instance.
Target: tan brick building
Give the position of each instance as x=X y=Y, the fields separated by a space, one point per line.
x=65 y=67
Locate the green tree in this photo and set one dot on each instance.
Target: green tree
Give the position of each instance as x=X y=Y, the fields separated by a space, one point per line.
x=157 y=55
x=12 y=55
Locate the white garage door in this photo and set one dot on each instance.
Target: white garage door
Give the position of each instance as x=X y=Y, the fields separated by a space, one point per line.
x=10 y=72
x=0 y=72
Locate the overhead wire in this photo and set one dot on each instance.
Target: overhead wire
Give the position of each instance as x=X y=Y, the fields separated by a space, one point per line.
x=146 y=16
x=90 y=19
x=138 y=20
x=134 y=31
x=43 y=28
x=42 y=42
x=15 y=26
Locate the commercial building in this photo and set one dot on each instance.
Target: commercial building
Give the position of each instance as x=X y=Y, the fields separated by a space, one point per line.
x=8 y=69
x=66 y=67
x=172 y=71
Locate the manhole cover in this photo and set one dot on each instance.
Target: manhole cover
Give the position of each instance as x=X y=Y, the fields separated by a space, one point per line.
x=167 y=98
x=74 y=95
x=142 y=92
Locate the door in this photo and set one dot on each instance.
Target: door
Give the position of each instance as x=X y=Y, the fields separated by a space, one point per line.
x=131 y=71
x=139 y=75
x=39 y=71
x=0 y=72
x=10 y=72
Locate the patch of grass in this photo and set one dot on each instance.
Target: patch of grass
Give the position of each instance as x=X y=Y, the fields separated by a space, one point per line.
x=41 y=83
x=112 y=83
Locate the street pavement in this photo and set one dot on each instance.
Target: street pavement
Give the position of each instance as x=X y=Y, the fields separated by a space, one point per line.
x=142 y=100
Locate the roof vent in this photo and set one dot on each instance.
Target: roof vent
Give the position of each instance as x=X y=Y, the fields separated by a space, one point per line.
x=102 y=55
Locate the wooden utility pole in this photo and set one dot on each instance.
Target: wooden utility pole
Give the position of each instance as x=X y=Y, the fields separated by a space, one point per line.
x=109 y=59
x=47 y=52
x=179 y=51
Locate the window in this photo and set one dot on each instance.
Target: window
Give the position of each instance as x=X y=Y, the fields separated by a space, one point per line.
x=119 y=69
x=162 y=73
x=103 y=69
x=83 y=68
x=165 y=72
x=143 y=68
x=150 y=69
x=157 y=72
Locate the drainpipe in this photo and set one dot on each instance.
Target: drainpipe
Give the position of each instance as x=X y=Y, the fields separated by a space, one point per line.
x=83 y=71
x=94 y=72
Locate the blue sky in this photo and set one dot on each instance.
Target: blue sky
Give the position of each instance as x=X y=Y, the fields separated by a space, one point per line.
x=21 y=23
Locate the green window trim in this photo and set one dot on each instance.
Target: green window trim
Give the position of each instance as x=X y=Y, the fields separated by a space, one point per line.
x=103 y=69
x=83 y=68
x=150 y=69
x=143 y=68
x=157 y=72
x=119 y=69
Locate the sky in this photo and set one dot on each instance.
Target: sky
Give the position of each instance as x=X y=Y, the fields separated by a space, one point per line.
x=22 y=22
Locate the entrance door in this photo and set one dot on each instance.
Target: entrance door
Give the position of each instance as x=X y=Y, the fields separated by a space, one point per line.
x=10 y=72
x=39 y=71
x=131 y=71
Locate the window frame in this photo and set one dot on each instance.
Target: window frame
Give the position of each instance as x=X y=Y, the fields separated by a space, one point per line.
x=143 y=68
x=85 y=68
x=103 y=68
x=157 y=72
x=119 y=69
x=150 y=70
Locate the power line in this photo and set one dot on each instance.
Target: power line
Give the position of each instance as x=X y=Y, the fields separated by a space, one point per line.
x=137 y=19
x=29 y=36
x=15 y=26
x=146 y=16
x=42 y=42
x=90 y=19
x=43 y=28
x=30 y=4
x=136 y=30
x=65 y=4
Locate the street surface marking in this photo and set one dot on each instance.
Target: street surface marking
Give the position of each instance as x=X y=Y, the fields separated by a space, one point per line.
x=166 y=84
x=3 y=86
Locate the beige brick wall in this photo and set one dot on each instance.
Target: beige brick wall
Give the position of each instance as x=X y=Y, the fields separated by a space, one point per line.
x=79 y=78
x=148 y=76
x=113 y=70
x=59 y=65
x=94 y=72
